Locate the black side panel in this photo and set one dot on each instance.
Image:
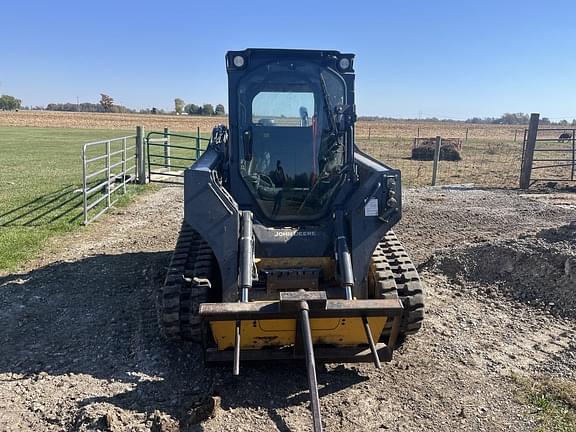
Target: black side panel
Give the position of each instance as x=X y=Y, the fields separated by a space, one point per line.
x=367 y=228
x=213 y=213
x=303 y=241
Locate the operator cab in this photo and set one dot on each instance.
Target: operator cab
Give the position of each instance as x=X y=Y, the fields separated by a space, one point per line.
x=291 y=150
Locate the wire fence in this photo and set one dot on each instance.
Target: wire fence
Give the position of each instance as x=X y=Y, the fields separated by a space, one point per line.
x=493 y=162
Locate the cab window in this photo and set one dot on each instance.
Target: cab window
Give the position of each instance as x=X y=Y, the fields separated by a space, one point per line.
x=283 y=108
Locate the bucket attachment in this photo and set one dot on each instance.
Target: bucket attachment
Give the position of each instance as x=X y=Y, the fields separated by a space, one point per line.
x=302 y=325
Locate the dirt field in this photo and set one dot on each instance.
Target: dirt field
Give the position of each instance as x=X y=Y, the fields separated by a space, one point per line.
x=383 y=129
x=54 y=119
x=81 y=350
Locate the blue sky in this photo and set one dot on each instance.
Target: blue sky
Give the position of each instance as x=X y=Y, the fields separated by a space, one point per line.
x=431 y=58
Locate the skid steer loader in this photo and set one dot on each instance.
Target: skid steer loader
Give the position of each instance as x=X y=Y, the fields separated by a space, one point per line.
x=286 y=251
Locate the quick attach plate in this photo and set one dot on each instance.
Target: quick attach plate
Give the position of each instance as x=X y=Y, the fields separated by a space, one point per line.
x=292 y=279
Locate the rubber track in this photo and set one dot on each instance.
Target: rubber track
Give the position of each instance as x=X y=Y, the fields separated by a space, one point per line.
x=382 y=282
x=409 y=287
x=187 y=285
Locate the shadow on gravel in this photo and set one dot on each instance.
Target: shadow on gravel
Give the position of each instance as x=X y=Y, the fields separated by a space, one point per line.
x=96 y=317
x=279 y=387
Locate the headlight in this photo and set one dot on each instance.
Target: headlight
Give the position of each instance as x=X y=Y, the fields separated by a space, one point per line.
x=392 y=203
x=238 y=61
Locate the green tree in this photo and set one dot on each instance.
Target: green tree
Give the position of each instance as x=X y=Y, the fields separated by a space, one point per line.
x=207 y=109
x=514 y=118
x=178 y=105
x=9 y=103
x=220 y=110
x=106 y=101
x=192 y=109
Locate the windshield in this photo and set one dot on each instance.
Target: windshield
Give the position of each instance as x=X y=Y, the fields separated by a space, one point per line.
x=291 y=158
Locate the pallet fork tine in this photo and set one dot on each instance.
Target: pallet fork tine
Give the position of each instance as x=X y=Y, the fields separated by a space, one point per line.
x=304 y=318
x=300 y=305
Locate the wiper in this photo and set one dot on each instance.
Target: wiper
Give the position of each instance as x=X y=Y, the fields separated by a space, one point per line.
x=328 y=107
x=349 y=166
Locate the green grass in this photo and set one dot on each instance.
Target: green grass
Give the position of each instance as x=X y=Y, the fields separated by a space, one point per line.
x=40 y=174
x=553 y=398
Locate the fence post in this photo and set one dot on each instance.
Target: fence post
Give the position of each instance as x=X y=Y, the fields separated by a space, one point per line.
x=124 y=157
x=166 y=144
x=141 y=168
x=573 y=154
x=369 y=133
x=466 y=139
x=198 y=143
x=515 y=134
x=84 y=185
x=108 y=175
x=436 y=159
x=527 y=160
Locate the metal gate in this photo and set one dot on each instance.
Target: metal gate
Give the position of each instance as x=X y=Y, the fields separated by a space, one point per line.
x=169 y=154
x=107 y=167
x=554 y=157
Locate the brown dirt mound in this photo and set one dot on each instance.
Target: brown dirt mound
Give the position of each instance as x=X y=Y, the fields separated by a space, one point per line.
x=425 y=152
x=538 y=270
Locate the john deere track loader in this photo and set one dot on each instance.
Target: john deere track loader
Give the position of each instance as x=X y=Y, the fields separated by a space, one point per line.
x=286 y=251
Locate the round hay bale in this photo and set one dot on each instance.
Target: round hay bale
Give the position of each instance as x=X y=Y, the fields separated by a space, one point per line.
x=425 y=152
x=449 y=152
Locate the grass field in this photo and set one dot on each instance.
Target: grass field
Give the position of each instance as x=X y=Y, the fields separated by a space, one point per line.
x=41 y=181
x=40 y=174
x=40 y=168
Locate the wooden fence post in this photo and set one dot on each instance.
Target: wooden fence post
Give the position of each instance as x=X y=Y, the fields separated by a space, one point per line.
x=527 y=160
x=140 y=166
x=436 y=159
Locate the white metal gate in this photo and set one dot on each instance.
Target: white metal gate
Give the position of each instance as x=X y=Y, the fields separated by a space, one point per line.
x=107 y=167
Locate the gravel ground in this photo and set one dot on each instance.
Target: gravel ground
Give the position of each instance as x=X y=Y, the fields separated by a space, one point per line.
x=81 y=350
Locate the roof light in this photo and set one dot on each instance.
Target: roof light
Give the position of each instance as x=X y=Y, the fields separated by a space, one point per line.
x=344 y=63
x=238 y=61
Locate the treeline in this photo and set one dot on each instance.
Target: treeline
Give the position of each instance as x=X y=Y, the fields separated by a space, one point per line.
x=504 y=119
x=107 y=105
x=180 y=107
x=516 y=119
x=87 y=107
x=9 y=103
